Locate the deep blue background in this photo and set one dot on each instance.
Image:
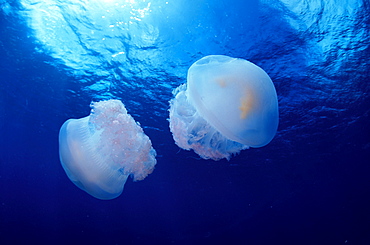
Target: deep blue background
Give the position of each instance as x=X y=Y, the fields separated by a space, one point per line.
x=310 y=185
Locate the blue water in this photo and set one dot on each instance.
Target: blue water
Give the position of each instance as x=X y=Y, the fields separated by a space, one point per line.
x=310 y=185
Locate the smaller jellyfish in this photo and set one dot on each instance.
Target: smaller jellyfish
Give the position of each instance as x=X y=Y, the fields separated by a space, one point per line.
x=100 y=151
x=227 y=105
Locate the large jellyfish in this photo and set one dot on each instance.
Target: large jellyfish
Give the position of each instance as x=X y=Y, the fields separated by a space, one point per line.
x=227 y=105
x=100 y=151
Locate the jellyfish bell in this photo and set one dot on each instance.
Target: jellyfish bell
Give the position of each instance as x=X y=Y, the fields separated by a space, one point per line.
x=236 y=97
x=227 y=105
x=100 y=151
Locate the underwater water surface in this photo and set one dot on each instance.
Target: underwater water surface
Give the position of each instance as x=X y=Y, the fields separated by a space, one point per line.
x=309 y=185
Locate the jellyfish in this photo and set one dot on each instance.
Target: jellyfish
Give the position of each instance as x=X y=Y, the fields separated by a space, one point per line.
x=100 y=151
x=227 y=105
